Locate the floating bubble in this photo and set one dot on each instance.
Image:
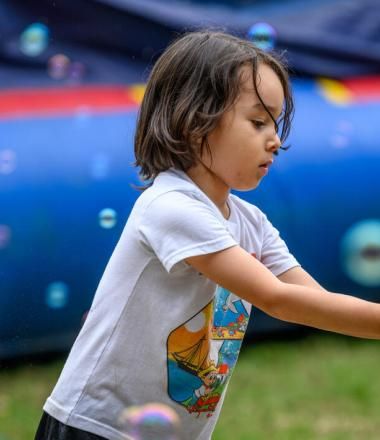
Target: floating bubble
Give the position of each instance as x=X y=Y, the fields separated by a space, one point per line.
x=100 y=165
x=361 y=252
x=57 y=294
x=107 y=218
x=77 y=71
x=34 y=39
x=7 y=161
x=339 y=140
x=5 y=236
x=344 y=126
x=83 y=114
x=262 y=35
x=342 y=136
x=153 y=421
x=59 y=66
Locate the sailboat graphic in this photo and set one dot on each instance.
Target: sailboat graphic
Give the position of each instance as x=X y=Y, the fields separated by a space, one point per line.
x=195 y=358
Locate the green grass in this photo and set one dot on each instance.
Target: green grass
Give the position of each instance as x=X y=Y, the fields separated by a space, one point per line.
x=318 y=387
x=23 y=389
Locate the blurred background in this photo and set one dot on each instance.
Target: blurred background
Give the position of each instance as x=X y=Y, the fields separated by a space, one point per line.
x=72 y=76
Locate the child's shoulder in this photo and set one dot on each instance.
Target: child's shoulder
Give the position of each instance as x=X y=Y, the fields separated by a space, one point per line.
x=246 y=208
x=173 y=194
x=170 y=184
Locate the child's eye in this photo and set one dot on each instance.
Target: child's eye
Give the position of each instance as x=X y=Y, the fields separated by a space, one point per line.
x=258 y=124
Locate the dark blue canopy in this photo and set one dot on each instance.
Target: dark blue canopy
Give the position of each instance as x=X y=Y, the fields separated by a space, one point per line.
x=117 y=38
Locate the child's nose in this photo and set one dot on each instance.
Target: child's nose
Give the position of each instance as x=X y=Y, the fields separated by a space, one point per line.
x=274 y=143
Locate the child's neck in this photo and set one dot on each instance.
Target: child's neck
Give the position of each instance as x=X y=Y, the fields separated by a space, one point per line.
x=215 y=189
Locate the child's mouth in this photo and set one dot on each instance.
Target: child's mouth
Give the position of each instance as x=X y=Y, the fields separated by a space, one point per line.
x=264 y=169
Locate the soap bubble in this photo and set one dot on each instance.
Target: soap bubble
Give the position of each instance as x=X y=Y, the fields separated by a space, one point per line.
x=77 y=71
x=342 y=135
x=57 y=294
x=7 y=161
x=34 y=39
x=344 y=126
x=361 y=252
x=153 y=421
x=107 y=218
x=339 y=140
x=262 y=35
x=61 y=67
x=58 y=66
x=83 y=114
x=5 y=236
x=100 y=165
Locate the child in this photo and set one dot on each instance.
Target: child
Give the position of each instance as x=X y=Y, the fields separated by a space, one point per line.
x=171 y=309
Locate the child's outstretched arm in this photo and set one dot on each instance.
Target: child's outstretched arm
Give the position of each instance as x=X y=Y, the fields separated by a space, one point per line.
x=236 y=270
x=297 y=275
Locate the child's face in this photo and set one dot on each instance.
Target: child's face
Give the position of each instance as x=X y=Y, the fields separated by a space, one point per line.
x=209 y=379
x=245 y=137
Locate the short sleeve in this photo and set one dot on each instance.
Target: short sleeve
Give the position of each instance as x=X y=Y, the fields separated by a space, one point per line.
x=275 y=254
x=177 y=225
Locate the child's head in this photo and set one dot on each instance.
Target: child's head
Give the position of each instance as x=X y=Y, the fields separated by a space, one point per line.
x=209 y=375
x=194 y=82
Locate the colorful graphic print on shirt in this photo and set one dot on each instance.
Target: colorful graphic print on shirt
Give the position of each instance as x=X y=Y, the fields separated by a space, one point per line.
x=203 y=351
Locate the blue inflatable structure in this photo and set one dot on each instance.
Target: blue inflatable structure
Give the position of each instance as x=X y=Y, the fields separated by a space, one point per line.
x=66 y=173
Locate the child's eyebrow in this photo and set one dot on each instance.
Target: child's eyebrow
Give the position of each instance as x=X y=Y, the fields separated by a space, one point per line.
x=272 y=110
x=269 y=107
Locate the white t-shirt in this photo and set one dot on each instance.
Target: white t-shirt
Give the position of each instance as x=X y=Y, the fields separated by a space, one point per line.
x=158 y=331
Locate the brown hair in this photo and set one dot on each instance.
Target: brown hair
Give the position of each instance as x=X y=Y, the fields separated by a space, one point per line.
x=195 y=80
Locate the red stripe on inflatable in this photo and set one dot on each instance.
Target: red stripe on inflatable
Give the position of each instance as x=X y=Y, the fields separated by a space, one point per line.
x=364 y=88
x=63 y=101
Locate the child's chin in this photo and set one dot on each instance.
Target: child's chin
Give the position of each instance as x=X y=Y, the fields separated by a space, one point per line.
x=248 y=187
